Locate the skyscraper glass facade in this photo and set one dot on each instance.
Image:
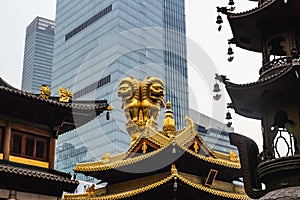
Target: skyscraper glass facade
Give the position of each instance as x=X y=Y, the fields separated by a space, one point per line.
x=97 y=43
x=213 y=132
x=38 y=54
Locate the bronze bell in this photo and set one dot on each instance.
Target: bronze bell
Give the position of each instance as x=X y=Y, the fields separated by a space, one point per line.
x=231 y=2
x=216 y=88
x=219 y=19
x=230 y=51
x=228 y=116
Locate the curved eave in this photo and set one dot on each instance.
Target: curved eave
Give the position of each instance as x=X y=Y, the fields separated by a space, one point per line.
x=50 y=112
x=178 y=177
x=162 y=153
x=158 y=161
x=83 y=105
x=249 y=99
x=245 y=25
x=48 y=182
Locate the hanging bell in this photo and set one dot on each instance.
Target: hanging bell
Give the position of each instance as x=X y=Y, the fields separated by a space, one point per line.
x=173 y=149
x=219 y=19
x=228 y=116
x=231 y=2
x=230 y=51
x=216 y=88
x=175 y=186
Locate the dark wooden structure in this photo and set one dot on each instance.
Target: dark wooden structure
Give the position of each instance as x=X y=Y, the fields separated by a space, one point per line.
x=272 y=29
x=29 y=127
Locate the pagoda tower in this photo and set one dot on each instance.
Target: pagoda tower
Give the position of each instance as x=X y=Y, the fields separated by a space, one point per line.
x=272 y=28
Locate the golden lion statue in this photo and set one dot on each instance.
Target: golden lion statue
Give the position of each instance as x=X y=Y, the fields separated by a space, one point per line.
x=45 y=91
x=141 y=100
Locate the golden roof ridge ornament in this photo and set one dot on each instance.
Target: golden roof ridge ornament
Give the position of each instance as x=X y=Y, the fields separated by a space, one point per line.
x=64 y=94
x=169 y=125
x=45 y=91
x=141 y=101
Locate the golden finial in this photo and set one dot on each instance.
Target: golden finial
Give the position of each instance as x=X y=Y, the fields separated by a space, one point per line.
x=144 y=147
x=64 y=95
x=232 y=156
x=45 y=91
x=174 y=170
x=169 y=122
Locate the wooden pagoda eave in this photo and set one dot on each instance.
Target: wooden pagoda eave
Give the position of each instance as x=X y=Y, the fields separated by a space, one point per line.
x=50 y=112
x=249 y=99
x=161 y=186
x=35 y=180
x=159 y=161
x=246 y=25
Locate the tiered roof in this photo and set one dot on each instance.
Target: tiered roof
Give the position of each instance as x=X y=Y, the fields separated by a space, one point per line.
x=144 y=169
x=247 y=26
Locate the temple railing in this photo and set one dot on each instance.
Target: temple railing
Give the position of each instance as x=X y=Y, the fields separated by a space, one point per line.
x=274 y=66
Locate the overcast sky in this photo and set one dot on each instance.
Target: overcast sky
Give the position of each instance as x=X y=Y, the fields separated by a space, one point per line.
x=15 y=16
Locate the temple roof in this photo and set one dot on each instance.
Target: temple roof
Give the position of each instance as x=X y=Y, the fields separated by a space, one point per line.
x=131 y=164
x=42 y=180
x=249 y=99
x=163 y=183
x=246 y=25
x=15 y=103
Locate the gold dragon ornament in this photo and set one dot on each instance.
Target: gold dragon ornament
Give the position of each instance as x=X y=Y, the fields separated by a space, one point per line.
x=64 y=95
x=141 y=101
x=45 y=91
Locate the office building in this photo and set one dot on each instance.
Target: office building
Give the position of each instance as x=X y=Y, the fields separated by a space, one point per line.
x=214 y=133
x=38 y=54
x=97 y=43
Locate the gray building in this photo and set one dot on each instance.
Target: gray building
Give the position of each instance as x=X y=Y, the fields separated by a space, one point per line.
x=97 y=43
x=38 y=54
x=214 y=132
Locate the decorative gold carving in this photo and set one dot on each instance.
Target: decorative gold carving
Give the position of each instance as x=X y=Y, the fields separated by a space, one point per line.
x=64 y=95
x=169 y=122
x=232 y=156
x=196 y=147
x=109 y=108
x=141 y=100
x=45 y=91
x=106 y=158
x=174 y=170
x=144 y=147
x=91 y=190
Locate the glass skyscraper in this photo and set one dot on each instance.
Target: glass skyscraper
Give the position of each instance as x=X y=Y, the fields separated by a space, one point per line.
x=213 y=132
x=97 y=43
x=38 y=54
